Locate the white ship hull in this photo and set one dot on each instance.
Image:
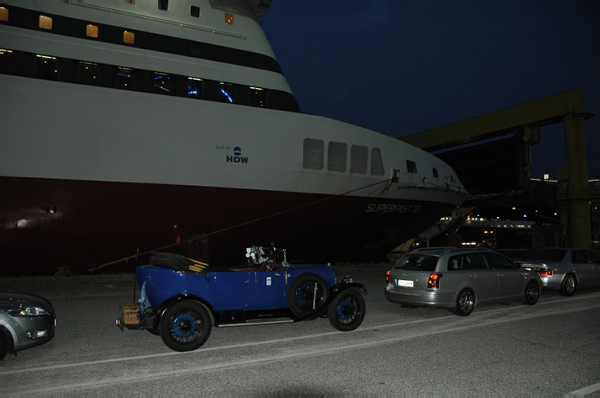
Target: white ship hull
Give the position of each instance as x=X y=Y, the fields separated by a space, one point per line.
x=91 y=174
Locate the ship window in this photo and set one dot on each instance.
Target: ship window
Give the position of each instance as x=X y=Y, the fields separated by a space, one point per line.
x=163 y=43
x=223 y=92
x=46 y=67
x=376 y=162
x=228 y=18
x=195 y=87
x=359 y=158
x=128 y=37
x=195 y=50
x=125 y=78
x=3 y=14
x=130 y=1
x=283 y=101
x=111 y=76
x=6 y=61
x=45 y=22
x=435 y=173
x=163 y=4
x=258 y=97
x=411 y=167
x=91 y=30
x=337 y=154
x=88 y=73
x=313 y=154
x=163 y=83
x=195 y=11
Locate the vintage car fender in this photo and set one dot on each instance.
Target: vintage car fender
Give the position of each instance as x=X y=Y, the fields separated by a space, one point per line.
x=334 y=291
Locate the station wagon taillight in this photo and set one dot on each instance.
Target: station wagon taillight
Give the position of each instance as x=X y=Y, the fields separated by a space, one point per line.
x=545 y=272
x=387 y=276
x=434 y=280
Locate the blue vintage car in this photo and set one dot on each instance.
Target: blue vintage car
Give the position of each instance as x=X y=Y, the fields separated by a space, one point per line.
x=181 y=299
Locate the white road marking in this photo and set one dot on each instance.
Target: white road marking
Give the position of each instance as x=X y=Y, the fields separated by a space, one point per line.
x=277 y=357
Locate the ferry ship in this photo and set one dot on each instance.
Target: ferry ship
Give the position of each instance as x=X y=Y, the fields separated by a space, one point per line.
x=129 y=126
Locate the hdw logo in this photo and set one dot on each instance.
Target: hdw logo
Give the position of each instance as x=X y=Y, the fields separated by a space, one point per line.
x=237 y=156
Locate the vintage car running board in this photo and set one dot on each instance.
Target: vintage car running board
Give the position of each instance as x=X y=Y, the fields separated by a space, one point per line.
x=250 y=322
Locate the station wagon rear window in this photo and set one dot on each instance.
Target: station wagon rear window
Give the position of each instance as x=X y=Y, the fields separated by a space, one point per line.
x=417 y=263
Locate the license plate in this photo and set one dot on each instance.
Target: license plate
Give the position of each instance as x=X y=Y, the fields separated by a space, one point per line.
x=404 y=283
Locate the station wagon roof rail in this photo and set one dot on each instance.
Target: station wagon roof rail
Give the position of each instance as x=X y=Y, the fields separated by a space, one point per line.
x=446 y=250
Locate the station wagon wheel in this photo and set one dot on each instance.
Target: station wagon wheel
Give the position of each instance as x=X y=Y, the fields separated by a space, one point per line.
x=532 y=293
x=567 y=288
x=465 y=302
x=307 y=293
x=347 y=310
x=5 y=340
x=185 y=326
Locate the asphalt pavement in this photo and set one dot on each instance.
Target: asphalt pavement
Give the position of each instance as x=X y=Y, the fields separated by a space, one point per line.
x=549 y=349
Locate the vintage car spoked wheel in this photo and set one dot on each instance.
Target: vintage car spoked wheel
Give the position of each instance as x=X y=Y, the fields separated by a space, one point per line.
x=185 y=326
x=306 y=294
x=464 y=303
x=347 y=310
x=532 y=293
x=568 y=285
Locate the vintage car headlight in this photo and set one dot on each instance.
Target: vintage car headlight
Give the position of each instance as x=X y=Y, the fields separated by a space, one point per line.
x=28 y=311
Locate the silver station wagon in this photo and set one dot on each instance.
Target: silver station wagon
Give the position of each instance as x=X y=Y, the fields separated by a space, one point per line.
x=459 y=280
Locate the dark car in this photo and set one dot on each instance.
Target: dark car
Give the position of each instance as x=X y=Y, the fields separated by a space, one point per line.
x=26 y=320
x=459 y=280
x=564 y=269
x=181 y=299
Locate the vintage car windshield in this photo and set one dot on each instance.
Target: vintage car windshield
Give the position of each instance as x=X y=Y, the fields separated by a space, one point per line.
x=545 y=254
x=417 y=262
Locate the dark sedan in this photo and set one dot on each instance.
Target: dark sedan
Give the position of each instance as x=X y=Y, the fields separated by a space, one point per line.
x=26 y=321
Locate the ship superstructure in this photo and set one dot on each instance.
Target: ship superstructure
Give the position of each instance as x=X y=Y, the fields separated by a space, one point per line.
x=135 y=125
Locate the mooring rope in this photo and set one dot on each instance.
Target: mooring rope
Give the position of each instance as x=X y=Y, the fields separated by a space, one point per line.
x=125 y=259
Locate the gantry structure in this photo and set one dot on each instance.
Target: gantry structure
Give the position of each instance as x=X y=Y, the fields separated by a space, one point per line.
x=506 y=162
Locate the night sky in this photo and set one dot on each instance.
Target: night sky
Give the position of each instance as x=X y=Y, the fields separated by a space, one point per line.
x=401 y=67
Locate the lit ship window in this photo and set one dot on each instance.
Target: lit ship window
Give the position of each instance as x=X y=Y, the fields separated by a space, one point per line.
x=337 y=154
x=6 y=61
x=195 y=11
x=223 y=92
x=125 y=78
x=46 y=67
x=128 y=37
x=229 y=19
x=45 y=22
x=88 y=73
x=258 y=97
x=359 y=159
x=313 y=154
x=3 y=14
x=195 y=88
x=163 y=84
x=376 y=162
x=91 y=31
